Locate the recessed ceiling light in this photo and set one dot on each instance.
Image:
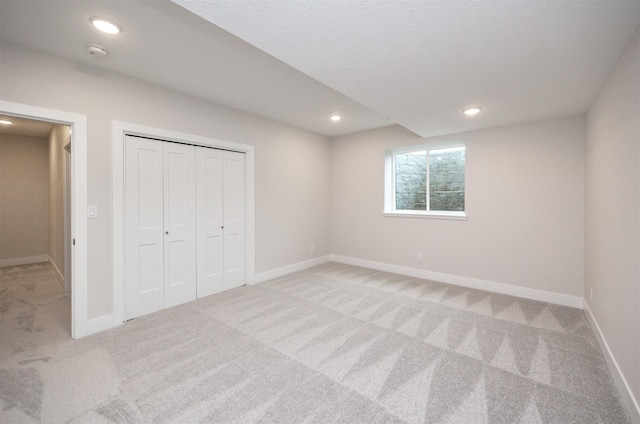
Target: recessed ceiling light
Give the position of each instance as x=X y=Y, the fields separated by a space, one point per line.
x=106 y=25
x=470 y=111
x=5 y=122
x=335 y=118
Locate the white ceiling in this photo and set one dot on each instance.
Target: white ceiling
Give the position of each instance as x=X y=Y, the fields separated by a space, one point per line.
x=421 y=62
x=413 y=62
x=165 y=44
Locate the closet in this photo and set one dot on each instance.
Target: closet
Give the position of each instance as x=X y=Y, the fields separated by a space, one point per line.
x=184 y=223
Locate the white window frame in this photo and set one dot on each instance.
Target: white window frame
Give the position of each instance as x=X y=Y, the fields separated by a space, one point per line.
x=390 y=183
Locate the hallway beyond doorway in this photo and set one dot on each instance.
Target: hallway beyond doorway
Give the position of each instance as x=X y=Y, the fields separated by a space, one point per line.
x=33 y=308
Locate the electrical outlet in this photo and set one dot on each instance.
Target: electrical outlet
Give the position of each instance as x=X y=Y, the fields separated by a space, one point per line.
x=419 y=257
x=312 y=248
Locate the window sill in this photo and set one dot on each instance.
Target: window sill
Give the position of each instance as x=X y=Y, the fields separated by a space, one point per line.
x=456 y=216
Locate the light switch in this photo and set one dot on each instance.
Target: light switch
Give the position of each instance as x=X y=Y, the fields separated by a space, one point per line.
x=93 y=212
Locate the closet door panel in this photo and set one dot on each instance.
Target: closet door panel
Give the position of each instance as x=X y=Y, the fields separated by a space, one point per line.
x=209 y=198
x=234 y=219
x=179 y=224
x=184 y=221
x=143 y=227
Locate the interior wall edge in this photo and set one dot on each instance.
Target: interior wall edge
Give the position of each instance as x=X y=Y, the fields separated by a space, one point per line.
x=23 y=261
x=102 y=323
x=626 y=394
x=458 y=280
x=56 y=271
x=288 y=269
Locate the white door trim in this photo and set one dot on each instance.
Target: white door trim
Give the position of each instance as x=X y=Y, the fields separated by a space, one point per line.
x=78 y=124
x=67 y=218
x=119 y=130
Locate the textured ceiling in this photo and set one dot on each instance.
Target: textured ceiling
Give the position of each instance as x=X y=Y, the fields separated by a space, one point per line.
x=421 y=62
x=413 y=62
x=165 y=44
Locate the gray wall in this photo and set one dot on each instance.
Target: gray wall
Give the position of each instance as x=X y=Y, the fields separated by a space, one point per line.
x=292 y=166
x=612 y=218
x=524 y=201
x=24 y=187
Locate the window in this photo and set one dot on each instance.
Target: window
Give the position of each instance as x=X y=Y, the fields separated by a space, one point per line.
x=426 y=181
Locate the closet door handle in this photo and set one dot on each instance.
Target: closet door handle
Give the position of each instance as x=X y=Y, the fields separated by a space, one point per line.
x=166 y=232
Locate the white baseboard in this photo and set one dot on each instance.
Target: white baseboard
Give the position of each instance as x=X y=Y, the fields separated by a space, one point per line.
x=24 y=261
x=527 y=293
x=57 y=273
x=100 y=324
x=279 y=272
x=618 y=378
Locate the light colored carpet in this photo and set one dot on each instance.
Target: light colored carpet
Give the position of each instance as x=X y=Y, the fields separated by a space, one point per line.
x=332 y=344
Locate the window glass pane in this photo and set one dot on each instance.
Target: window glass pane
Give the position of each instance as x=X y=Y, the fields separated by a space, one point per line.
x=446 y=176
x=411 y=181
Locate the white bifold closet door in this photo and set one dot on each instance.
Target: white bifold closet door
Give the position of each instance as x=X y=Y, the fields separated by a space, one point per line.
x=184 y=223
x=179 y=223
x=160 y=225
x=220 y=194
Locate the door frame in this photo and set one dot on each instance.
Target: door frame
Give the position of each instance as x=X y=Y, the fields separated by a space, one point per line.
x=68 y=276
x=119 y=131
x=78 y=124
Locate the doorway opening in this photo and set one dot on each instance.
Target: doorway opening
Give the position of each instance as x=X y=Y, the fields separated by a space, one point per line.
x=70 y=258
x=35 y=254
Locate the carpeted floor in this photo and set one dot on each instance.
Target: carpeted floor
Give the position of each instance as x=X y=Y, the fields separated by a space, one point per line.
x=334 y=343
